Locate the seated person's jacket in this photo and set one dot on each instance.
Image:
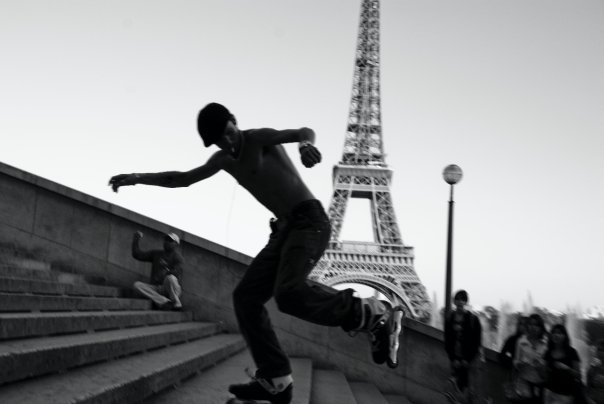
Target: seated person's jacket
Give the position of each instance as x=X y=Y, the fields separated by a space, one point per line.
x=162 y=264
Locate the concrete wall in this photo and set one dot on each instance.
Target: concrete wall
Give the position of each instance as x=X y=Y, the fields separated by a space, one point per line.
x=78 y=233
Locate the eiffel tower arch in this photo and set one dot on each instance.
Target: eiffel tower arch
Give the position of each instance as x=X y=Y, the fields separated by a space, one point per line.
x=385 y=264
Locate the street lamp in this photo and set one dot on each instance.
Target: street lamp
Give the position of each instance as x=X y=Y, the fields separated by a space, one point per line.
x=452 y=175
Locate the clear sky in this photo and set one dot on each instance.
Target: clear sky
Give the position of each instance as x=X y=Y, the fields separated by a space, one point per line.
x=510 y=90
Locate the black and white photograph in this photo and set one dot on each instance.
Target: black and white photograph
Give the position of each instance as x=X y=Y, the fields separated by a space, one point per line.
x=305 y=202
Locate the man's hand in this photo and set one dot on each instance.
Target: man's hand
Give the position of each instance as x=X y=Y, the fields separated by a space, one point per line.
x=309 y=154
x=138 y=235
x=122 y=180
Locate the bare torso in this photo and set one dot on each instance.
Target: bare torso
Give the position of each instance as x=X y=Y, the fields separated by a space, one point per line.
x=268 y=174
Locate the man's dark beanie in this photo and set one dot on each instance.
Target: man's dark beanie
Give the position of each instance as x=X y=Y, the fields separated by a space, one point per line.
x=461 y=295
x=211 y=122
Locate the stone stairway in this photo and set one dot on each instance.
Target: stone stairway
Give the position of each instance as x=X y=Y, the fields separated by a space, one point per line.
x=65 y=339
x=312 y=386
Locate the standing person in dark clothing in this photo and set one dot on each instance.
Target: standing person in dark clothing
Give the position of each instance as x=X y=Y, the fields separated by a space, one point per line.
x=529 y=362
x=563 y=368
x=166 y=272
x=463 y=340
x=300 y=233
x=508 y=351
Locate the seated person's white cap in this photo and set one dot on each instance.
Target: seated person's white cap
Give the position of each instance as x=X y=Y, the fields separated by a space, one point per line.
x=174 y=237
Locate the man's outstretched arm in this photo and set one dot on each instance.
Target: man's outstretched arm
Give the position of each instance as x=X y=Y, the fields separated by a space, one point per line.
x=267 y=136
x=171 y=179
x=309 y=154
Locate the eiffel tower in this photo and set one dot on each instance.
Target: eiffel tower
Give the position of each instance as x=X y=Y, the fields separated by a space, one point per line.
x=385 y=264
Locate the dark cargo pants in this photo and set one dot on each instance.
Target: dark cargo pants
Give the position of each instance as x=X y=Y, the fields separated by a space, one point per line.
x=296 y=243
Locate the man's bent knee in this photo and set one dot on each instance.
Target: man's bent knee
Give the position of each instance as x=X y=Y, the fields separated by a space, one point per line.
x=288 y=300
x=171 y=279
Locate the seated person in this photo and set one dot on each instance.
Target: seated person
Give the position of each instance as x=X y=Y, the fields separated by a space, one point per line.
x=166 y=272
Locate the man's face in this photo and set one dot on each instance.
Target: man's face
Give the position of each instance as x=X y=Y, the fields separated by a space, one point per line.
x=522 y=325
x=558 y=336
x=169 y=244
x=230 y=139
x=459 y=304
x=533 y=328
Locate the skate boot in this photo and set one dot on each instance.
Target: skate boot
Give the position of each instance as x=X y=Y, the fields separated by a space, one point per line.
x=263 y=390
x=383 y=323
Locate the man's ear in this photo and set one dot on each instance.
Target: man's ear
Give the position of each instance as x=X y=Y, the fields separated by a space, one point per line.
x=233 y=119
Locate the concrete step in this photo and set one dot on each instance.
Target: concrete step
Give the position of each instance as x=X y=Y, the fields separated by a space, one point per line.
x=8 y=258
x=302 y=372
x=127 y=380
x=331 y=387
x=30 y=357
x=44 y=273
x=19 y=325
x=394 y=399
x=367 y=393
x=34 y=286
x=11 y=302
x=211 y=386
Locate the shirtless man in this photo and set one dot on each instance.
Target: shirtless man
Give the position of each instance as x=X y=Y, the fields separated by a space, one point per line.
x=257 y=160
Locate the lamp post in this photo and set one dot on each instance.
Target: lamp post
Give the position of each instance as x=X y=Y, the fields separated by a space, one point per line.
x=452 y=175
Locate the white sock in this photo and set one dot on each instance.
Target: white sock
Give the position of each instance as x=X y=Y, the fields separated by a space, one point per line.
x=281 y=383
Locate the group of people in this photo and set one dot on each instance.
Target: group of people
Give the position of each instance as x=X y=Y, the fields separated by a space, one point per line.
x=544 y=368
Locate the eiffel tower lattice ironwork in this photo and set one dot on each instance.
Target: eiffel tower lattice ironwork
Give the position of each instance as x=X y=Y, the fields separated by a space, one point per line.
x=385 y=264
